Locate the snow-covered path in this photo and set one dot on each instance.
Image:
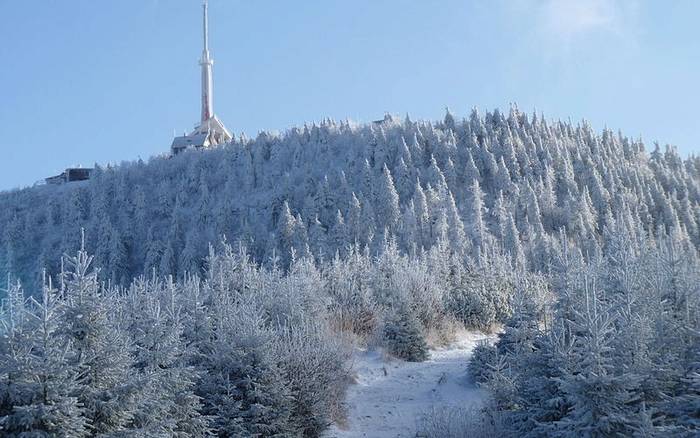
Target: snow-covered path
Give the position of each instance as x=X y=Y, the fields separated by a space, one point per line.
x=391 y=396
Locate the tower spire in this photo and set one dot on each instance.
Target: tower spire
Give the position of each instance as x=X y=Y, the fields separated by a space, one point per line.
x=205 y=6
x=206 y=62
x=210 y=131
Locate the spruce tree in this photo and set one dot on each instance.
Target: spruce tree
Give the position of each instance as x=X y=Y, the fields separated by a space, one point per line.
x=403 y=336
x=42 y=379
x=387 y=201
x=107 y=390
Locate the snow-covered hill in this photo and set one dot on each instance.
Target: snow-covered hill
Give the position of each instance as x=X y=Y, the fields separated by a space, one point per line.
x=264 y=257
x=491 y=182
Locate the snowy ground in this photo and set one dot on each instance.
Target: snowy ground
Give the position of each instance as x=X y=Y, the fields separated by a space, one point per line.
x=391 y=396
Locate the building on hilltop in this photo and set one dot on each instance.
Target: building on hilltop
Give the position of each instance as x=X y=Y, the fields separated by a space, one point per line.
x=210 y=131
x=70 y=175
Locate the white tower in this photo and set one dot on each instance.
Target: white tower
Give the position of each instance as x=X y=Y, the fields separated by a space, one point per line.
x=210 y=131
x=206 y=62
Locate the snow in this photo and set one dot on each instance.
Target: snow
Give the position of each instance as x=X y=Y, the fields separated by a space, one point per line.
x=391 y=396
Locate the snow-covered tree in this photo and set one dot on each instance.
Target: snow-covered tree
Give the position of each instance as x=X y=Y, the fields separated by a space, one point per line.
x=39 y=379
x=107 y=391
x=387 y=200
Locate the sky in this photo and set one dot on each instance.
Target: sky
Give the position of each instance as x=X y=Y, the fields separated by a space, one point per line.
x=85 y=81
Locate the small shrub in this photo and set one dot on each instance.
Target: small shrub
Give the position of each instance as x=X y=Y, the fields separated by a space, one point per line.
x=481 y=363
x=316 y=364
x=473 y=307
x=403 y=336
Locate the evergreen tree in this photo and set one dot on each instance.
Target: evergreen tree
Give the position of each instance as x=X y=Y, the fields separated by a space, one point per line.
x=422 y=215
x=169 y=405
x=479 y=233
x=107 y=392
x=38 y=383
x=354 y=221
x=403 y=336
x=340 y=232
x=387 y=201
x=456 y=234
x=601 y=399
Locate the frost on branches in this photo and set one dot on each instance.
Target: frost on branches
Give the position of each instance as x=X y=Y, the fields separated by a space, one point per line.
x=222 y=286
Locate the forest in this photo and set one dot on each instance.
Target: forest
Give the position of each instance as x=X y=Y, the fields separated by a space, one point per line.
x=220 y=292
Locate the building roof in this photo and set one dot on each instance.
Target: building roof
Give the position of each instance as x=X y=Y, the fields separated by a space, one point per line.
x=195 y=139
x=70 y=175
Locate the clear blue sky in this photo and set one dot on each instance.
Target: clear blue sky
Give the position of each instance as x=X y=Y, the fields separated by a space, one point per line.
x=86 y=81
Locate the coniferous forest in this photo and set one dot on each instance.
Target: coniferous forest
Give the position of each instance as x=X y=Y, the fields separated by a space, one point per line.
x=222 y=292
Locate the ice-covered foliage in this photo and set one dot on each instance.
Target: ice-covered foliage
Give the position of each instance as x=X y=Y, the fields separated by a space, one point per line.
x=243 y=350
x=403 y=336
x=163 y=358
x=615 y=356
x=494 y=182
x=582 y=246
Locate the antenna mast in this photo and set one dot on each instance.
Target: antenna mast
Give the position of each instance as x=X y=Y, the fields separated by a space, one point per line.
x=206 y=62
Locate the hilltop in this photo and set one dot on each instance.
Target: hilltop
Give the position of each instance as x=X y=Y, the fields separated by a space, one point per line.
x=496 y=182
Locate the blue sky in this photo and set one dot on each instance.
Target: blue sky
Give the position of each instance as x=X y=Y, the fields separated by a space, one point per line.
x=87 y=81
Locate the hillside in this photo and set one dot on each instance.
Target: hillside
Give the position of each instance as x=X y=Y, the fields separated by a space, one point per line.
x=279 y=270
x=493 y=182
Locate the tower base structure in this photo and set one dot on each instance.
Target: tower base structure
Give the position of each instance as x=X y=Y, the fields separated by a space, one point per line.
x=209 y=133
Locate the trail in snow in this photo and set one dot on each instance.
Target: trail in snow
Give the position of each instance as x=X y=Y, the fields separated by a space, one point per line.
x=391 y=396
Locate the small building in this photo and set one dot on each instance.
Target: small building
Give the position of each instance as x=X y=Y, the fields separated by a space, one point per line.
x=190 y=141
x=70 y=175
x=388 y=118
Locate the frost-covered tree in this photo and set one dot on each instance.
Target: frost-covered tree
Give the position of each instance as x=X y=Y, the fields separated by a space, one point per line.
x=403 y=337
x=107 y=390
x=168 y=405
x=39 y=381
x=387 y=201
x=480 y=235
x=242 y=387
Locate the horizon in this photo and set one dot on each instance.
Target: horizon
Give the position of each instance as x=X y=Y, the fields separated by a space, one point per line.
x=627 y=66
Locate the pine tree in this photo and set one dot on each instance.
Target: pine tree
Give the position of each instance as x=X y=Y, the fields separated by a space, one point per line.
x=503 y=181
x=339 y=233
x=41 y=384
x=512 y=244
x=168 y=405
x=403 y=180
x=107 y=391
x=471 y=172
x=287 y=233
x=455 y=232
x=542 y=373
x=500 y=217
x=479 y=233
x=434 y=175
x=587 y=213
x=449 y=120
x=420 y=203
x=387 y=201
x=403 y=336
x=409 y=227
x=601 y=398
x=354 y=221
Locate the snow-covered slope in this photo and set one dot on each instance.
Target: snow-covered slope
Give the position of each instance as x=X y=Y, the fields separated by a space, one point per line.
x=483 y=183
x=391 y=396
